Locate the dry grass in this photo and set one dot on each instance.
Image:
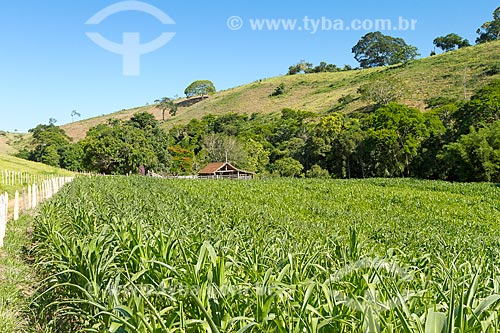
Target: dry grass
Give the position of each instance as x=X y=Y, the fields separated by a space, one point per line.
x=11 y=143
x=441 y=75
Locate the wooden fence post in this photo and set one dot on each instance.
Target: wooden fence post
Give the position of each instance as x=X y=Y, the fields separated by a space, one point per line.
x=3 y=219
x=16 y=206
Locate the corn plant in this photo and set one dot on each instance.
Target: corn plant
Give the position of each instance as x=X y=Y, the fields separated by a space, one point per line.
x=133 y=254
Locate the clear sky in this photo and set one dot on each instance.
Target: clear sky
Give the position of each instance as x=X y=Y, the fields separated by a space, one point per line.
x=50 y=66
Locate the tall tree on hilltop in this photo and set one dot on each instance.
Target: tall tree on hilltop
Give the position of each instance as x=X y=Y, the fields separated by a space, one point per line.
x=451 y=42
x=376 y=49
x=490 y=30
x=200 y=88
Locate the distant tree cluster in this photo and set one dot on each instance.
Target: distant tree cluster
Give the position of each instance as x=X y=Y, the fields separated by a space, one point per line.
x=304 y=67
x=376 y=49
x=452 y=141
x=113 y=148
x=490 y=30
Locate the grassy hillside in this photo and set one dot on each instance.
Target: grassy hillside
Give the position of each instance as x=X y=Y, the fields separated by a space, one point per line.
x=11 y=163
x=10 y=143
x=441 y=75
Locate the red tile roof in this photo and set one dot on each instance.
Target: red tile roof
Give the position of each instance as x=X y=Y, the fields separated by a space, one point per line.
x=211 y=168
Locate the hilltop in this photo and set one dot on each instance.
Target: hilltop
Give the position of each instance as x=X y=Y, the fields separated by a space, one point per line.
x=441 y=75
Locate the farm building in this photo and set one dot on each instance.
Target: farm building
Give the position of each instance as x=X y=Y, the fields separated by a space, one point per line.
x=224 y=170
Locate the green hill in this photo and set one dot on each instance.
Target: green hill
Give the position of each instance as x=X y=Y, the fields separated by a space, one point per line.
x=11 y=163
x=442 y=75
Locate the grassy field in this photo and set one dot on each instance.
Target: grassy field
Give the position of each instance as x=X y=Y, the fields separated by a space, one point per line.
x=144 y=255
x=11 y=163
x=441 y=75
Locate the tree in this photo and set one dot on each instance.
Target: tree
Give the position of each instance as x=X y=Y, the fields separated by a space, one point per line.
x=475 y=156
x=200 y=88
x=258 y=156
x=122 y=147
x=51 y=156
x=220 y=146
x=71 y=157
x=451 y=42
x=483 y=108
x=317 y=172
x=47 y=140
x=383 y=92
x=375 y=49
x=307 y=67
x=73 y=114
x=288 y=167
x=165 y=104
x=279 y=90
x=182 y=160
x=157 y=138
x=301 y=67
x=490 y=30
x=395 y=133
x=323 y=67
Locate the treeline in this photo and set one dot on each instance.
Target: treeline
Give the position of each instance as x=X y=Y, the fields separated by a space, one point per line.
x=376 y=49
x=452 y=140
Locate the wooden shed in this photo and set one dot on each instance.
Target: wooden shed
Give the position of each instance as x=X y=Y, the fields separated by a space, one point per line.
x=224 y=170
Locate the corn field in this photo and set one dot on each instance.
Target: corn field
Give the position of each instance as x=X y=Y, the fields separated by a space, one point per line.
x=145 y=255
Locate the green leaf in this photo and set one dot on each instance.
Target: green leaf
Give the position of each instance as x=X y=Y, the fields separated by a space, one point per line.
x=436 y=322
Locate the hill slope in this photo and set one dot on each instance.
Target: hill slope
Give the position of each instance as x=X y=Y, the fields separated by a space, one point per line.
x=11 y=163
x=11 y=143
x=440 y=75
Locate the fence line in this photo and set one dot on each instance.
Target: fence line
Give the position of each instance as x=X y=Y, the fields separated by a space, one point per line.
x=36 y=193
x=15 y=178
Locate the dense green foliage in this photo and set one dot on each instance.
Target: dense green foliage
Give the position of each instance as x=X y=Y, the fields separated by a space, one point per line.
x=376 y=49
x=304 y=67
x=49 y=144
x=143 y=255
x=451 y=42
x=200 y=88
x=490 y=30
x=451 y=141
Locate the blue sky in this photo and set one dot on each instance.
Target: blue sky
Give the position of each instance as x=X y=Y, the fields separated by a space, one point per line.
x=50 y=67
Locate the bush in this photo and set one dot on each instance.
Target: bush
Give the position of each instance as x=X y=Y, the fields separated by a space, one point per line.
x=280 y=90
x=317 y=172
x=288 y=167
